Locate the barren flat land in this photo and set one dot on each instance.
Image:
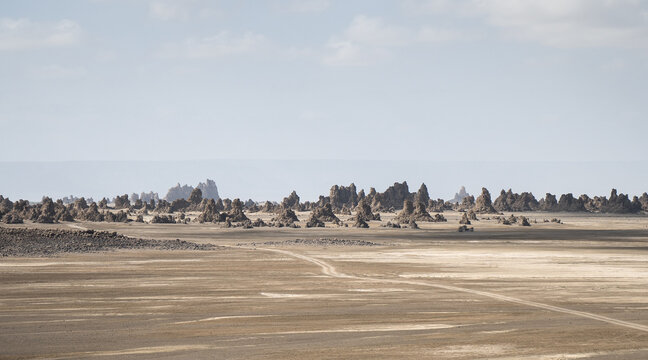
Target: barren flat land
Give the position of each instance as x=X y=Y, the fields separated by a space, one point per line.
x=577 y=290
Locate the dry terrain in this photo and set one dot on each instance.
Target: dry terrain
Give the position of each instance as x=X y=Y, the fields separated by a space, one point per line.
x=549 y=291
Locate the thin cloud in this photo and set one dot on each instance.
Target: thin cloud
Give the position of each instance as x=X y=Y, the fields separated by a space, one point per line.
x=24 y=34
x=220 y=45
x=370 y=39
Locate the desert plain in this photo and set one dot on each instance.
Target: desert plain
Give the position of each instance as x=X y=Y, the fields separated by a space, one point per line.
x=576 y=290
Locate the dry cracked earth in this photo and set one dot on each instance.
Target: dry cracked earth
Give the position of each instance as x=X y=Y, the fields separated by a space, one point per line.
x=577 y=290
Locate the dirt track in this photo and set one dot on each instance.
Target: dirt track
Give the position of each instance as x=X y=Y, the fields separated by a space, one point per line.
x=548 y=292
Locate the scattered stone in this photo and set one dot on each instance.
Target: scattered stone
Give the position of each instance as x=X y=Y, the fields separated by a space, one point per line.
x=162 y=219
x=464 y=228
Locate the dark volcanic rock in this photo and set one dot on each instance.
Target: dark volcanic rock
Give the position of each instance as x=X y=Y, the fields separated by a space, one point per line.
x=567 y=202
x=36 y=242
x=509 y=201
x=291 y=201
x=465 y=228
x=179 y=205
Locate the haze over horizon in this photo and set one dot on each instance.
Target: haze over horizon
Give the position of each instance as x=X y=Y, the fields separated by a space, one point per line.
x=262 y=180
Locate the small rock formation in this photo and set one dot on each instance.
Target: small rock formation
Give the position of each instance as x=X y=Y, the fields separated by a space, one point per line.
x=390 y=224
x=162 y=219
x=320 y=215
x=483 y=204
x=549 y=203
x=179 y=205
x=285 y=218
x=258 y=223
x=472 y=216
x=363 y=212
x=340 y=196
x=236 y=213
x=360 y=223
x=393 y=198
x=291 y=201
x=209 y=189
x=458 y=198
x=509 y=201
x=439 y=218
x=464 y=228
x=422 y=195
x=411 y=213
x=195 y=197
x=178 y=192
x=464 y=219
x=122 y=202
x=12 y=217
x=139 y=219
x=121 y=216
x=209 y=213
x=92 y=213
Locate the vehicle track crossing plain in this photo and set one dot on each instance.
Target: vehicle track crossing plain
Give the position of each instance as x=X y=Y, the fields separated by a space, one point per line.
x=330 y=270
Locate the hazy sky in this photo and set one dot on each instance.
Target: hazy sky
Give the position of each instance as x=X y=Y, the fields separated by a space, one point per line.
x=454 y=80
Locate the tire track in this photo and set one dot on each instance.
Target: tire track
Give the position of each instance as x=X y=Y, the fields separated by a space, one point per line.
x=330 y=270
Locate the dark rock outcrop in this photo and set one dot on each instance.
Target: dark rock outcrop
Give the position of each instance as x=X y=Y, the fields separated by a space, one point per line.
x=363 y=212
x=483 y=204
x=285 y=218
x=291 y=201
x=340 y=196
x=392 y=198
x=236 y=213
x=464 y=219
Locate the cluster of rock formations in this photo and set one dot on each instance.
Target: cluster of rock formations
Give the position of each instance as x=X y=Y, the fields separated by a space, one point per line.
x=412 y=207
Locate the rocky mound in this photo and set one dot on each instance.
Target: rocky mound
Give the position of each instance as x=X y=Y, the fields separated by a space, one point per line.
x=360 y=223
x=163 y=219
x=35 y=242
x=122 y=202
x=209 y=213
x=411 y=213
x=324 y=214
x=285 y=218
x=510 y=201
x=422 y=195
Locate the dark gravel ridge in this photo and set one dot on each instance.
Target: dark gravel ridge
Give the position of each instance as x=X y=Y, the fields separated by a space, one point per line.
x=315 y=242
x=37 y=242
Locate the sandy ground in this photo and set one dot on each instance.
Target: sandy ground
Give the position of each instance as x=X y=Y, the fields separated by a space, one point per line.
x=551 y=291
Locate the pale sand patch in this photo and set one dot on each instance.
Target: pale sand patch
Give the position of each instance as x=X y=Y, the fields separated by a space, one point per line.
x=308 y=296
x=138 y=351
x=370 y=328
x=474 y=350
x=216 y=318
x=381 y=290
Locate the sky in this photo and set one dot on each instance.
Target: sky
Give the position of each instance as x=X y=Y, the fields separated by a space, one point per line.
x=316 y=80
